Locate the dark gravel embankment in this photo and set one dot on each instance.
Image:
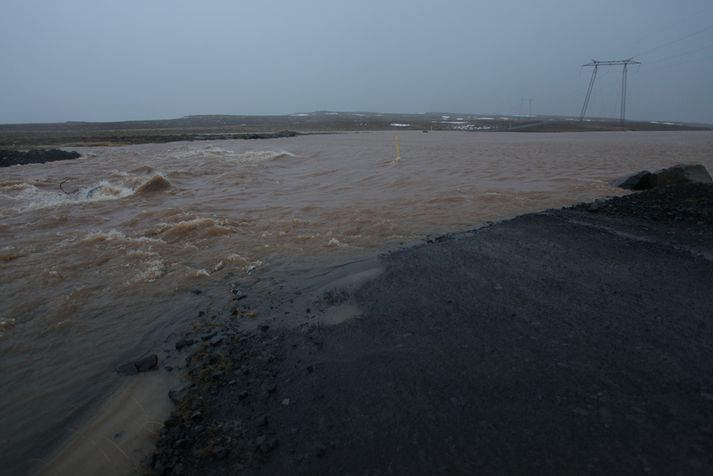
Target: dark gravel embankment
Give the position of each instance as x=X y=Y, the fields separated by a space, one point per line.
x=35 y=156
x=565 y=342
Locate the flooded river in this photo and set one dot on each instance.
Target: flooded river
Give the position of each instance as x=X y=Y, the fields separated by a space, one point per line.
x=105 y=256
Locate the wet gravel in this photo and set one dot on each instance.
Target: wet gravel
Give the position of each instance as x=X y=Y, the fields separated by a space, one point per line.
x=571 y=341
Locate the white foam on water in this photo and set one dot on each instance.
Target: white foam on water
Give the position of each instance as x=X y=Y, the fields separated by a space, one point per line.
x=212 y=153
x=135 y=254
x=336 y=243
x=12 y=186
x=118 y=236
x=234 y=259
x=398 y=124
x=251 y=267
x=153 y=270
x=198 y=225
x=252 y=157
x=29 y=197
x=199 y=273
x=105 y=190
x=194 y=152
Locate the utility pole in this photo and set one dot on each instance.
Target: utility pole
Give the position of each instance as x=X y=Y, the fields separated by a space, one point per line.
x=529 y=100
x=596 y=64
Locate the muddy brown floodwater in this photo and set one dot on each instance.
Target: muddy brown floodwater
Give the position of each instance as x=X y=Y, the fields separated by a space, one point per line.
x=105 y=256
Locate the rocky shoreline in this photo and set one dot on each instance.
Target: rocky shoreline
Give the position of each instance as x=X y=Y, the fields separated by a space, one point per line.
x=34 y=156
x=573 y=340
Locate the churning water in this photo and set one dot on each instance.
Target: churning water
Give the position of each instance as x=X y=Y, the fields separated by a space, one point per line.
x=101 y=256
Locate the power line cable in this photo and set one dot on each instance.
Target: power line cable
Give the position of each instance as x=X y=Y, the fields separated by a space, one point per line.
x=664 y=66
x=673 y=42
x=684 y=53
x=668 y=26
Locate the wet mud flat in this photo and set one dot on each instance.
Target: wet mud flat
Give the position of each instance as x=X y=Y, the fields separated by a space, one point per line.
x=570 y=341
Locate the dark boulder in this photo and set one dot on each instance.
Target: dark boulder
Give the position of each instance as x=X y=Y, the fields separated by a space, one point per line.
x=137 y=366
x=681 y=174
x=677 y=175
x=633 y=182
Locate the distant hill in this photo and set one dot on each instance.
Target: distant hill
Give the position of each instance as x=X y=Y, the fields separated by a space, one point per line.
x=203 y=127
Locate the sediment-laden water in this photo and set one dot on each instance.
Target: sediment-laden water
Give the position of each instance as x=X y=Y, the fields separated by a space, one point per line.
x=104 y=256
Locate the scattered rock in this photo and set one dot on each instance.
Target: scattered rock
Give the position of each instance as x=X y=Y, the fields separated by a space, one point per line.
x=208 y=336
x=178 y=394
x=183 y=443
x=335 y=296
x=241 y=373
x=141 y=365
x=238 y=295
x=219 y=452
x=184 y=343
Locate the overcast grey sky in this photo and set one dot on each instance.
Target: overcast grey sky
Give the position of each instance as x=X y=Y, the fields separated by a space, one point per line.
x=104 y=60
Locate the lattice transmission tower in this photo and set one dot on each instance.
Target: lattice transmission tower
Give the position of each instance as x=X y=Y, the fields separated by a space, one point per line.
x=596 y=64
